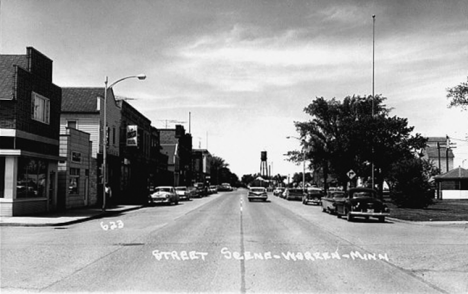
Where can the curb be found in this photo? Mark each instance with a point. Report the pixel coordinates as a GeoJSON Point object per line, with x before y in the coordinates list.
{"type": "Point", "coordinates": [71, 222]}
{"type": "Point", "coordinates": [428, 223]}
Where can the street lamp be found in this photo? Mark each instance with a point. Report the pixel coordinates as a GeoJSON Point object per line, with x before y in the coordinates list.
{"type": "Point", "coordinates": [104, 134]}
{"type": "Point", "coordinates": [303, 163]}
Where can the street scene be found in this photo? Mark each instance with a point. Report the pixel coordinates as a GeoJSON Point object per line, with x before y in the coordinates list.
{"type": "Point", "coordinates": [233, 146]}
{"type": "Point", "coordinates": [225, 244]}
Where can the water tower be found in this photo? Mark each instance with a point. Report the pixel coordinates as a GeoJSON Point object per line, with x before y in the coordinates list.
{"type": "Point", "coordinates": [263, 164]}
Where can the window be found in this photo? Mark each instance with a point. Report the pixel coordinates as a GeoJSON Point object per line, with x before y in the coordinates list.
{"type": "Point", "coordinates": [73, 187]}
{"type": "Point", "coordinates": [40, 108]}
{"type": "Point", "coordinates": [76, 156]}
{"type": "Point", "coordinates": [71, 124]}
{"type": "Point", "coordinates": [31, 181]}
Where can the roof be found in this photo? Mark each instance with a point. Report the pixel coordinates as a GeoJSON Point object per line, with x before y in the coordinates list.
{"type": "Point", "coordinates": [81, 99]}
{"type": "Point", "coordinates": [7, 73]}
{"type": "Point", "coordinates": [456, 173]}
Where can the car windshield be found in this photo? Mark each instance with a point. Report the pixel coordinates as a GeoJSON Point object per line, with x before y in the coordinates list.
{"type": "Point", "coordinates": [163, 189]}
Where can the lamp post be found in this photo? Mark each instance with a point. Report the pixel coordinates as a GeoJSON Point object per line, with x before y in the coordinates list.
{"type": "Point", "coordinates": [303, 163]}
{"type": "Point", "coordinates": [104, 134]}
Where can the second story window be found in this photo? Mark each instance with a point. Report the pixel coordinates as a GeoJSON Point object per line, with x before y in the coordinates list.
{"type": "Point", "coordinates": [40, 108]}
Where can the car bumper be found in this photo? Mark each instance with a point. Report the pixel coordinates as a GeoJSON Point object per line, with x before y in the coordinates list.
{"type": "Point", "coordinates": [257, 197]}
{"type": "Point", "coordinates": [161, 200]}
{"type": "Point", "coordinates": [362, 213]}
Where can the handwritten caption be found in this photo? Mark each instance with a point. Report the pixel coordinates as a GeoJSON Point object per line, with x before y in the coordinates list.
{"type": "Point", "coordinates": [291, 256]}
{"type": "Point", "coordinates": [112, 225]}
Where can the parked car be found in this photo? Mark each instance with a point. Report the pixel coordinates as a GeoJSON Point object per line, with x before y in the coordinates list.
{"type": "Point", "coordinates": [213, 189]}
{"type": "Point", "coordinates": [164, 194]}
{"type": "Point", "coordinates": [258, 193]}
{"type": "Point", "coordinates": [361, 202]}
{"type": "Point", "coordinates": [293, 194]}
{"type": "Point", "coordinates": [314, 195]}
{"type": "Point", "coordinates": [202, 189]}
{"type": "Point", "coordinates": [182, 192]}
{"type": "Point", "coordinates": [193, 192]}
{"type": "Point", "coordinates": [329, 200]}
{"type": "Point", "coordinates": [278, 191]}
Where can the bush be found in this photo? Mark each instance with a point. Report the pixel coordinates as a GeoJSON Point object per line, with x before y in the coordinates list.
{"type": "Point", "coordinates": [411, 187]}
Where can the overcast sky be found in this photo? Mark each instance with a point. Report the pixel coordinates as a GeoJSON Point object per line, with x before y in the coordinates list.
{"type": "Point", "coordinates": [245, 70]}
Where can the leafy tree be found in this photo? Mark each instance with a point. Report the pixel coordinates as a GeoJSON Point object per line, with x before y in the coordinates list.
{"type": "Point", "coordinates": [352, 134]}
{"type": "Point", "coordinates": [458, 95]}
{"type": "Point", "coordinates": [409, 180]}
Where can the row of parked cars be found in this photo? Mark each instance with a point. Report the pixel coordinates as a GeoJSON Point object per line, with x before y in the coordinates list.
{"type": "Point", "coordinates": [172, 195]}
{"type": "Point", "coordinates": [355, 202]}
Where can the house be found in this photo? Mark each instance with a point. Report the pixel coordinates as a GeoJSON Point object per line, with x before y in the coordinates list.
{"type": "Point", "coordinates": [453, 184]}
{"type": "Point", "coordinates": [83, 109]}
{"type": "Point", "coordinates": [30, 106]}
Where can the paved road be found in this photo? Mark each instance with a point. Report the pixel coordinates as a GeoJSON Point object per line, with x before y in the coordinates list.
{"type": "Point", "coordinates": [223, 243]}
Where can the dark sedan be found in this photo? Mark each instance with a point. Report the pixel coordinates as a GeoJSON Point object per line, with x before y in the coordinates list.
{"type": "Point", "coordinates": [328, 202]}
{"type": "Point", "coordinates": [361, 202]}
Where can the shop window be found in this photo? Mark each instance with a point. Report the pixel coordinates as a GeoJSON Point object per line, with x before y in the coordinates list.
{"type": "Point", "coordinates": [32, 175]}
{"type": "Point", "coordinates": [73, 187]}
{"type": "Point", "coordinates": [40, 108]}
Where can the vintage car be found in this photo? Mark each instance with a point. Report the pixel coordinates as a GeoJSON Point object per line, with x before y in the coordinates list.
{"type": "Point", "coordinates": [361, 202]}
{"type": "Point", "coordinates": [293, 194]}
{"type": "Point", "coordinates": [257, 193]}
{"type": "Point", "coordinates": [193, 192]}
{"type": "Point", "coordinates": [182, 192]}
{"type": "Point", "coordinates": [329, 200]}
{"type": "Point", "coordinates": [164, 194]}
{"type": "Point", "coordinates": [313, 195]}
{"type": "Point", "coordinates": [225, 187]}
{"type": "Point", "coordinates": [278, 191]}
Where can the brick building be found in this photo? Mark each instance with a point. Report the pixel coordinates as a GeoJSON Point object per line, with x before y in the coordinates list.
{"type": "Point", "coordinates": [29, 134]}
{"type": "Point", "coordinates": [177, 145]}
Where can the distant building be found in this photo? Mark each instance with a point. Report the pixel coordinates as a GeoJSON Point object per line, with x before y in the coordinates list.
{"type": "Point", "coordinates": [436, 152]}
{"type": "Point", "coordinates": [177, 145]}
{"type": "Point", "coordinates": [201, 163]}
{"type": "Point", "coordinates": [29, 134]}
{"type": "Point", "coordinates": [453, 184]}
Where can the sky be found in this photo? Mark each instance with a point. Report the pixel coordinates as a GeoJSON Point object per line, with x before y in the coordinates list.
{"type": "Point", "coordinates": [237, 74]}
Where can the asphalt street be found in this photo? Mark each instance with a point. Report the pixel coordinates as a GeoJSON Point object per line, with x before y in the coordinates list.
{"type": "Point", "coordinates": [224, 243]}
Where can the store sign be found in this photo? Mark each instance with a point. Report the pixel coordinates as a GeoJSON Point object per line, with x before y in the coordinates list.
{"type": "Point", "coordinates": [132, 135]}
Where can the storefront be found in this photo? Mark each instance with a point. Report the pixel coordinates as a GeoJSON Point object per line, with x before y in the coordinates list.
{"type": "Point", "coordinates": [28, 184]}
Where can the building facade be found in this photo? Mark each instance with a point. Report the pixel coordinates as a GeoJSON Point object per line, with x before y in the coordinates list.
{"type": "Point", "coordinates": [135, 151]}
{"type": "Point", "coordinates": [177, 145]}
{"type": "Point", "coordinates": [29, 134]}
{"type": "Point", "coordinates": [83, 109]}
{"type": "Point", "coordinates": [74, 186]}
{"type": "Point", "coordinates": [437, 152]}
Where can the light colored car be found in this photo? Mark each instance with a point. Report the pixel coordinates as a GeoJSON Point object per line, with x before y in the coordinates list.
{"type": "Point", "coordinates": [182, 192]}
{"type": "Point", "coordinates": [278, 191]}
{"type": "Point", "coordinates": [164, 194]}
{"type": "Point", "coordinates": [258, 193]}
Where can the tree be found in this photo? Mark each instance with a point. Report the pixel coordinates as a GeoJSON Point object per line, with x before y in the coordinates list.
{"type": "Point", "coordinates": [458, 95]}
{"type": "Point", "coordinates": [354, 133]}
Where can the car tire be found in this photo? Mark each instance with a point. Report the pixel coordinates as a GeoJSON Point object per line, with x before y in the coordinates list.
{"type": "Point", "coordinates": [323, 209]}
{"type": "Point", "coordinates": [349, 216]}
{"type": "Point", "coordinates": [382, 219]}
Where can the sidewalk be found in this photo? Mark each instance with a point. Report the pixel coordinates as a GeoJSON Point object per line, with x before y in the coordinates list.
{"type": "Point", "coordinates": [68, 217]}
